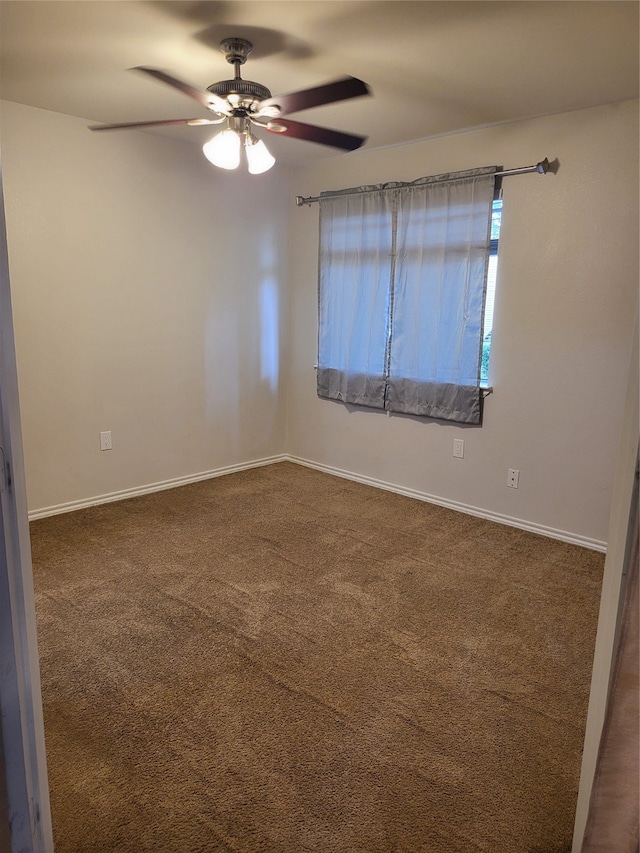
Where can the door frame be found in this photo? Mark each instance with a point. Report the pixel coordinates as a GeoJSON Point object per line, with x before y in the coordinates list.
{"type": "Point", "coordinates": [23, 763]}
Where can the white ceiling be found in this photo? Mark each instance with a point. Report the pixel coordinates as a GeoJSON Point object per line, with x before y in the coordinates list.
{"type": "Point", "coordinates": [433, 67]}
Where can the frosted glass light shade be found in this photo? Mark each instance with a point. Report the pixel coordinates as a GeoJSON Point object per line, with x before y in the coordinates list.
{"type": "Point", "coordinates": [259, 159]}
{"type": "Point", "coordinates": [223, 150]}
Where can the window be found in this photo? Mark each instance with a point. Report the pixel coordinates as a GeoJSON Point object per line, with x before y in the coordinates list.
{"type": "Point", "coordinates": [403, 271]}
{"type": "Point", "coordinates": [492, 272]}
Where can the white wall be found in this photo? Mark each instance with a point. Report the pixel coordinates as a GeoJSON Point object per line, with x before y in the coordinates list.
{"type": "Point", "coordinates": [565, 305]}
{"type": "Point", "coordinates": [149, 296]}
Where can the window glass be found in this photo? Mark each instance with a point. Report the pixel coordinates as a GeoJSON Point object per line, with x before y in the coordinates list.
{"type": "Point", "coordinates": [496, 221]}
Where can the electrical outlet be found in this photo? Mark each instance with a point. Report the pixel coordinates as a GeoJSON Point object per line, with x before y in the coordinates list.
{"type": "Point", "coordinates": [105, 440]}
{"type": "Point", "coordinates": [513, 477]}
{"type": "Point", "coordinates": [458, 448]}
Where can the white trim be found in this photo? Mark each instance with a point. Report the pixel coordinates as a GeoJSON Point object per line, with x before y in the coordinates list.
{"type": "Point", "coordinates": [532, 527]}
{"type": "Point", "coordinates": [620, 523]}
{"type": "Point", "coordinates": [23, 758]}
{"type": "Point", "coordinates": [161, 486]}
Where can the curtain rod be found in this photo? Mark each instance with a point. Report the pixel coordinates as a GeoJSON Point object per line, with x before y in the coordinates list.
{"type": "Point", "coordinates": [541, 168]}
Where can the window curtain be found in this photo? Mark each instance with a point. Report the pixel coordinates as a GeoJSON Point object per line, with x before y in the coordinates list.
{"type": "Point", "coordinates": [402, 285]}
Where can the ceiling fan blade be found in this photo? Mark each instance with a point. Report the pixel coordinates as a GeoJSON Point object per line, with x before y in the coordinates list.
{"type": "Point", "coordinates": [312, 133]}
{"type": "Point", "coordinates": [339, 90]}
{"type": "Point", "coordinates": [206, 99]}
{"type": "Point", "coordinates": [193, 122]}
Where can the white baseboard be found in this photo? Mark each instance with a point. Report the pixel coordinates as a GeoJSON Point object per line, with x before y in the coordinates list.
{"type": "Point", "coordinates": [532, 527]}
{"type": "Point", "coordinates": [550, 532]}
{"type": "Point", "coordinates": [152, 487]}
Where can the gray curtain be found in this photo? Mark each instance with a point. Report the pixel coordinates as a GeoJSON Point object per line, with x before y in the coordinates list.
{"type": "Point", "coordinates": [402, 289]}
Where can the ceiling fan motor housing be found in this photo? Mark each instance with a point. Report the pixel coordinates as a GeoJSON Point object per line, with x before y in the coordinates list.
{"type": "Point", "coordinates": [249, 93]}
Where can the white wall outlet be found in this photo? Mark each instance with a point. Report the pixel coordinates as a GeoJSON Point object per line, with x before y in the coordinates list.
{"type": "Point", "coordinates": [105, 440]}
{"type": "Point", "coordinates": [513, 477]}
{"type": "Point", "coordinates": [458, 448]}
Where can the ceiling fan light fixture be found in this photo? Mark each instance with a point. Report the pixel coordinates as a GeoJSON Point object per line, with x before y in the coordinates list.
{"type": "Point", "coordinates": [259, 158]}
{"type": "Point", "coordinates": [223, 150]}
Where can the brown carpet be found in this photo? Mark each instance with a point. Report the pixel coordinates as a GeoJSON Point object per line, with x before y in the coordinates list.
{"type": "Point", "coordinates": [281, 661]}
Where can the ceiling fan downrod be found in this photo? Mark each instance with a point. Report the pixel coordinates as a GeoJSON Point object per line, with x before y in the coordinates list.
{"type": "Point", "coordinates": [247, 93]}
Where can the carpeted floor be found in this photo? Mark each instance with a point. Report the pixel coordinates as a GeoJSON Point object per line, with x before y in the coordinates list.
{"type": "Point", "coordinates": [281, 661]}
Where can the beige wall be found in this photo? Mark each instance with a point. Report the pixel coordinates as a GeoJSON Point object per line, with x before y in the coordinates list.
{"type": "Point", "coordinates": [568, 279]}
{"type": "Point", "coordinates": [149, 299]}
{"type": "Point", "coordinates": [152, 298]}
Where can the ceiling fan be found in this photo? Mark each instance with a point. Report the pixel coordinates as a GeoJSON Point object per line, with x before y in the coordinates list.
{"type": "Point", "coordinates": [242, 104]}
